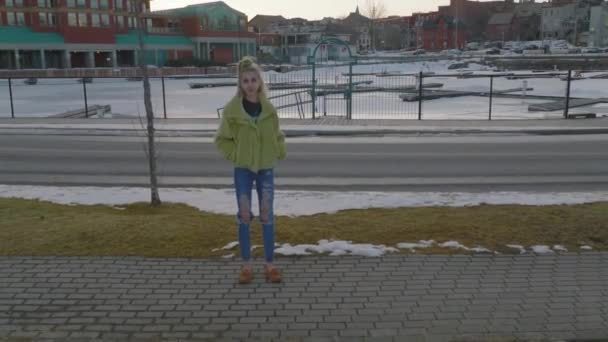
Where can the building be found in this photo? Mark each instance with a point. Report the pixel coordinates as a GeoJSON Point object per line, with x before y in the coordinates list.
{"type": "Point", "coordinates": [598, 31]}
{"type": "Point", "coordinates": [263, 23]}
{"type": "Point", "coordinates": [527, 21]}
{"type": "Point", "coordinates": [217, 32]}
{"type": "Point", "coordinates": [569, 20]}
{"type": "Point", "coordinates": [419, 20]}
{"type": "Point", "coordinates": [394, 33]}
{"type": "Point", "coordinates": [104, 33]}
{"type": "Point", "coordinates": [294, 40]}
{"type": "Point", "coordinates": [359, 26]}
{"type": "Point", "coordinates": [522, 23]}
{"type": "Point", "coordinates": [475, 15]}
{"type": "Point", "coordinates": [500, 27]}
{"type": "Point", "coordinates": [443, 32]}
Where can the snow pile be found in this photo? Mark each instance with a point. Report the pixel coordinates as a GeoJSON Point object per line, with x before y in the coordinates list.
{"type": "Point", "coordinates": [521, 248]}
{"type": "Point", "coordinates": [294, 203]}
{"type": "Point", "coordinates": [413, 246]}
{"type": "Point", "coordinates": [336, 248]}
{"type": "Point", "coordinates": [541, 249]}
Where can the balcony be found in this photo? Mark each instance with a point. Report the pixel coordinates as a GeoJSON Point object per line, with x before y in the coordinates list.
{"type": "Point", "coordinates": [165, 30]}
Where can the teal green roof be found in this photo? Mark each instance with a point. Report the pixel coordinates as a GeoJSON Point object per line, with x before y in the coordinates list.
{"type": "Point", "coordinates": [131, 39]}
{"type": "Point", "coordinates": [25, 35]}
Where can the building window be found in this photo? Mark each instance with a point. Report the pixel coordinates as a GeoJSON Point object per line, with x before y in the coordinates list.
{"type": "Point", "coordinates": [72, 3]}
{"type": "Point", "coordinates": [42, 3]}
{"type": "Point", "coordinates": [120, 21]}
{"type": "Point", "coordinates": [11, 21]}
{"type": "Point", "coordinates": [42, 19]}
{"type": "Point", "coordinates": [132, 23]}
{"type": "Point", "coordinates": [118, 4]}
{"type": "Point", "coordinates": [129, 8]}
{"type": "Point", "coordinates": [94, 4]}
{"type": "Point", "coordinates": [72, 19]}
{"type": "Point", "coordinates": [95, 20]}
{"type": "Point", "coordinates": [82, 20]}
{"type": "Point", "coordinates": [15, 18]}
{"type": "Point", "coordinates": [105, 20]}
{"type": "Point", "coordinates": [103, 4]}
{"type": "Point", "coordinates": [47, 19]}
{"type": "Point", "coordinates": [82, 3]}
{"type": "Point", "coordinates": [14, 3]}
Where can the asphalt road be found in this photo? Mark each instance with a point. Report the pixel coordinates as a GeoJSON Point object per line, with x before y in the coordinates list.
{"type": "Point", "coordinates": [448, 163]}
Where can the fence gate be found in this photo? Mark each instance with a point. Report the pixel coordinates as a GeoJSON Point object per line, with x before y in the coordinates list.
{"type": "Point", "coordinates": [332, 80]}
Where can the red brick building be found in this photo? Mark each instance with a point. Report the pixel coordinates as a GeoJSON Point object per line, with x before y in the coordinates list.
{"type": "Point", "coordinates": [103, 33]}
{"type": "Point", "coordinates": [443, 32]}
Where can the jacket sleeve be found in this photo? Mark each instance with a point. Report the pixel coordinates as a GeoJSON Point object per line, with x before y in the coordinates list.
{"type": "Point", "coordinates": [280, 139]}
{"type": "Point", "coordinates": [224, 140]}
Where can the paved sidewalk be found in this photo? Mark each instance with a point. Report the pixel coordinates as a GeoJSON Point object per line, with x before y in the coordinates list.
{"type": "Point", "coordinates": [399, 298]}
{"type": "Point", "coordinates": [297, 127]}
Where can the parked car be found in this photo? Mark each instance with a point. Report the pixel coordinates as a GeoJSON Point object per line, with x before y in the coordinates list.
{"type": "Point", "coordinates": [420, 52]}
{"type": "Point", "coordinates": [494, 51]}
{"type": "Point", "coordinates": [592, 50]}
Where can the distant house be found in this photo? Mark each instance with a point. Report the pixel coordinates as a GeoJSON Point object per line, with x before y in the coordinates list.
{"type": "Point", "coordinates": [263, 23]}
{"type": "Point", "coordinates": [500, 27]}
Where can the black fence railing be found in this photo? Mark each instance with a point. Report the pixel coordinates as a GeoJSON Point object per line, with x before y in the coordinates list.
{"type": "Point", "coordinates": [332, 91]}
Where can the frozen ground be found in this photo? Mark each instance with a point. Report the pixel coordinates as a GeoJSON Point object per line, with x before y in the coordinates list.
{"type": "Point", "coordinates": [297, 203]}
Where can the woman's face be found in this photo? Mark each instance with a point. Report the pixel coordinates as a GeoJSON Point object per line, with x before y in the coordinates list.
{"type": "Point", "coordinates": [250, 83]}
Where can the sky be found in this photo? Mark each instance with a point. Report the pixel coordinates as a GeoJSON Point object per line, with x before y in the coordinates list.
{"type": "Point", "coordinates": [310, 9]}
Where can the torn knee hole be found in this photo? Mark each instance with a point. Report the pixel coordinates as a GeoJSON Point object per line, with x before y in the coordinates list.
{"type": "Point", "coordinates": [245, 218]}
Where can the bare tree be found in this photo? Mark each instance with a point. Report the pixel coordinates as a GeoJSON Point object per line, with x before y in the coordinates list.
{"type": "Point", "coordinates": [374, 10]}
{"type": "Point", "coordinates": [151, 152]}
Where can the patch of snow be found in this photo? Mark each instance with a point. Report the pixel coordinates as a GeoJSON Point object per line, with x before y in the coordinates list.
{"type": "Point", "coordinates": [231, 245]}
{"type": "Point", "coordinates": [419, 244]}
{"type": "Point", "coordinates": [289, 250]}
{"type": "Point", "coordinates": [560, 248]}
{"type": "Point", "coordinates": [293, 203]}
{"type": "Point", "coordinates": [336, 248]}
{"type": "Point", "coordinates": [587, 248]}
{"type": "Point", "coordinates": [521, 248]}
{"type": "Point", "coordinates": [453, 244]}
{"type": "Point", "coordinates": [541, 249]}
{"type": "Point", "coordinates": [229, 256]}
{"type": "Point", "coordinates": [480, 249]}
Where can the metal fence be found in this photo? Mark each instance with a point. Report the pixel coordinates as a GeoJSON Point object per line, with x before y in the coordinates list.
{"type": "Point", "coordinates": [360, 92]}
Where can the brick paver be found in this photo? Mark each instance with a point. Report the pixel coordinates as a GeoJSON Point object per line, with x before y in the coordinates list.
{"type": "Point", "coordinates": [414, 297]}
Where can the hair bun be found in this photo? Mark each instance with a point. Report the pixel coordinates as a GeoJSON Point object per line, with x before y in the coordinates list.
{"type": "Point", "coordinates": [246, 62]}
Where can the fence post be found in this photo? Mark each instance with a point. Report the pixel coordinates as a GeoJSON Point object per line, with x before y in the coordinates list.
{"type": "Point", "coordinates": [313, 92]}
{"type": "Point", "coordinates": [568, 94]}
{"type": "Point", "coordinates": [420, 96]}
{"type": "Point", "coordinates": [491, 93]}
{"type": "Point", "coordinates": [86, 104]}
{"type": "Point", "coordinates": [350, 92]}
{"type": "Point", "coordinates": [10, 92]}
{"type": "Point", "coordinates": [162, 77]}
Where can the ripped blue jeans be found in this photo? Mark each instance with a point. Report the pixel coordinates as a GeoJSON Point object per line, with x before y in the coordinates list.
{"type": "Point", "coordinates": [243, 183]}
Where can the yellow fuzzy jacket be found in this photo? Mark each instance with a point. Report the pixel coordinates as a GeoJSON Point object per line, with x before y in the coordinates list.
{"type": "Point", "coordinates": [248, 143]}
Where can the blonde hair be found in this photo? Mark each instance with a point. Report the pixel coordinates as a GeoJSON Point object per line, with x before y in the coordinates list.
{"type": "Point", "coordinates": [248, 64]}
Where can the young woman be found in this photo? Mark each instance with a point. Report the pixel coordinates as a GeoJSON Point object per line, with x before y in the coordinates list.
{"type": "Point", "coordinates": [249, 136]}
